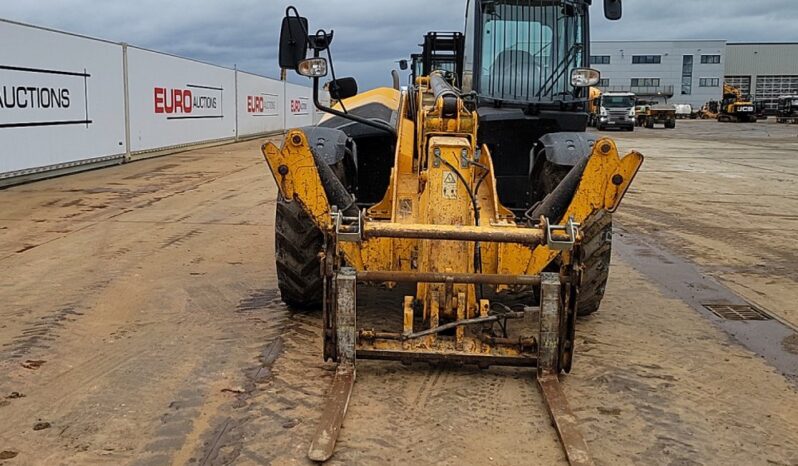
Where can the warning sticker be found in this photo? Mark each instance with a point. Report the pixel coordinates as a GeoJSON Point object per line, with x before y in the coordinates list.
{"type": "Point", "coordinates": [449, 185]}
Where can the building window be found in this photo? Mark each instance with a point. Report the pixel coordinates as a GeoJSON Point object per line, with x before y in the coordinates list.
{"type": "Point", "coordinates": [645, 82]}
{"type": "Point", "coordinates": [687, 74]}
{"type": "Point", "coordinates": [599, 59]}
{"type": "Point", "coordinates": [743, 83]}
{"type": "Point", "coordinates": [646, 59]}
{"type": "Point", "coordinates": [604, 82]}
{"type": "Point", "coordinates": [709, 82]}
{"type": "Point", "coordinates": [710, 59]}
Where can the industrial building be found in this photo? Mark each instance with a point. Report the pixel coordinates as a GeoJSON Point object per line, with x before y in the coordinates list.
{"type": "Point", "coordinates": [764, 71]}
{"type": "Point", "coordinates": [693, 71]}
{"type": "Point", "coordinates": [676, 71]}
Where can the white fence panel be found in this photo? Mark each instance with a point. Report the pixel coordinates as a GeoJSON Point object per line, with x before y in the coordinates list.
{"type": "Point", "coordinates": [260, 104]}
{"type": "Point", "coordinates": [324, 99]}
{"type": "Point", "coordinates": [175, 101]}
{"type": "Point", "coordinates": [61, 100]}
{"type": "Point", "coordinates": [298, 106]}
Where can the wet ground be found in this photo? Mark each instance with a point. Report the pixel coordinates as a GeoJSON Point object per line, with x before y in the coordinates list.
{"type": "Point", "coordinates": [140, 324]}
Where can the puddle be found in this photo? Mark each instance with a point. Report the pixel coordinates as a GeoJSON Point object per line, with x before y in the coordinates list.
{"type": "Point", "coordinates": [681, 279]}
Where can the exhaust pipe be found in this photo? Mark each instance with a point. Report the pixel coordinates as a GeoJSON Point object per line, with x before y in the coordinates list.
{"type": "Point", "coordinates": [395, 77]}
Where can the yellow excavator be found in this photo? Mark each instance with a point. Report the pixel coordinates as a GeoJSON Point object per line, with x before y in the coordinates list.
{"type": "Point", "coordinates": [735, 107]}
{"type": "Point", "coordinates": [477, 196]}
{"type": "Point", "coordinates": [593, 106]}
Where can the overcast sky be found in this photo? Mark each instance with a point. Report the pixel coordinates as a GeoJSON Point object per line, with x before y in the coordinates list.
{"type": "Point", "coordinates": [370, 35]}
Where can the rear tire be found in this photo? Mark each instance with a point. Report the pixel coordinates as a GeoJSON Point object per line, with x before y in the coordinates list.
{"type": "Point", "coordinates": [596, 254]}
{"type": "Point", "coordinates": [297, 244]}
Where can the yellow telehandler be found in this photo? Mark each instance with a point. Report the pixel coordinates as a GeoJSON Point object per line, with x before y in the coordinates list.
{"type": "Point", "coordinates": [488, 198]}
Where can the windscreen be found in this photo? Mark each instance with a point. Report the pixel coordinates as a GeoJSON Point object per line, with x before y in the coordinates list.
{"type": "Point", "coordinates": [529, 49]}
{"type": "Point", "coordinates": [617, 101]}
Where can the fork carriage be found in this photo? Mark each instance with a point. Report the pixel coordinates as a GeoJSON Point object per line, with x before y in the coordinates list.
{"type": "Point", "coordinates": [457, 324]}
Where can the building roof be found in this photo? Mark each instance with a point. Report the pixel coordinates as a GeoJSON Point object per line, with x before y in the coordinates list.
{"type": "Point", "coordinates": [762, 43]}
{"type": "Point", "coordinates": [659, 40]}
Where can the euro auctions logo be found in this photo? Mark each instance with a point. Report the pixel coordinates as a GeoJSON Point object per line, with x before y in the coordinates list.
{"type": "Point", "coordinates": [299, 106]}
{"type": "Point", "coordinates": [190, 101]}
{"type": "Point", "coordinates": [32, 97]}
{"type": "Point", "coordinates": [262, 105]}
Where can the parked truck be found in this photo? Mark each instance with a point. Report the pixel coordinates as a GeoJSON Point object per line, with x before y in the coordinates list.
{"type": "Point", "coordinates": [649, 114]}
{"type": "Point", "coordinates": [683, 111]}
{"type": "Point", "coordinates": [616, 110]}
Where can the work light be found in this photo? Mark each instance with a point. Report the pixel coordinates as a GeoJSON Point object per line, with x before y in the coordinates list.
{"type": "Point", "coordinates": [585, 77]}
{"type": "Point", "coordinates": [313, 67]}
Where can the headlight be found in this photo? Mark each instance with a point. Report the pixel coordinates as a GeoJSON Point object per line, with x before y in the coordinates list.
{"type": "Point", "coordinates": [313, 67]}
{"type": "Point", "coordinates": [632, 112]}
{"type": "Point", "coordinates": [585, 77]}
{"type": "Point", "coordinates": [603, 111]}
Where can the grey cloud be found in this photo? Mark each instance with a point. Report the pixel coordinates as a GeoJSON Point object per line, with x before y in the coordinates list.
{"type": "Point", "coordinates": [370, 35]}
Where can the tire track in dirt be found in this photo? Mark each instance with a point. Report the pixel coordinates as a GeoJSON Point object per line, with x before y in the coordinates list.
{"type": "Point", "coordinates": [200, 425]}
{"type": "Point", "coordinates": [280, 399]}
{"type": "Point", "coordinates": [417, 414]}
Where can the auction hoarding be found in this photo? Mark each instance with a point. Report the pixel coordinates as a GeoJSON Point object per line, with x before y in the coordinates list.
{"type": "Point", "coordinates": [298, 106]}
{"type": "Point", "coordinates": [175, 101]}
{"type": "Point", "coordinates": [260, 104]}
{"type": "Point", "coordinates": [61, 100]}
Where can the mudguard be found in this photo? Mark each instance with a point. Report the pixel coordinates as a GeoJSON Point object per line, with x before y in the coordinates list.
{"type": "Point", "coordinates": [328, 144]}
{"type": "Point", "coordinates": [566, 148]}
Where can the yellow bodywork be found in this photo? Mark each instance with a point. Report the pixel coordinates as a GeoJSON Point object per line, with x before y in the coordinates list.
{"type": "Point", "coordinates": [426, 191]}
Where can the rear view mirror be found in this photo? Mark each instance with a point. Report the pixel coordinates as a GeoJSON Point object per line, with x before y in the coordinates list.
{"type": "Point", "coordinates": [293, 42]}
{"type": "Point", "coordinates": [402, 65]}
{"type": "Point", "coordinates": [613, 10]}
{"type": "Point", "coordinates": [342, 88]}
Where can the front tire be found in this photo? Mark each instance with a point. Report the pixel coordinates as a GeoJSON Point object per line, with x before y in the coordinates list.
{"type": "Point", "coordinates": [297, 245]}
{"type": "Point", "coordinates": [596, 255]}
{"type": "Point", "coordinates": [596, 246]}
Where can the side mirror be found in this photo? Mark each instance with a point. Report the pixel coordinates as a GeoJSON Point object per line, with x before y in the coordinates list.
{"type": "Point", "coordinates": [342, 88]}
{"type": "Point", "coordinates": [293, 42]}
{"type": "Point", "coordinates": [613, 10]}
{"type": "Point", "coordinates": [402, 65]}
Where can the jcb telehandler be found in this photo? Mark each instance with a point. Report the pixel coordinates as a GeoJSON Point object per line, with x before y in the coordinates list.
{"type": "Point", "coordinates": [488, 199]}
